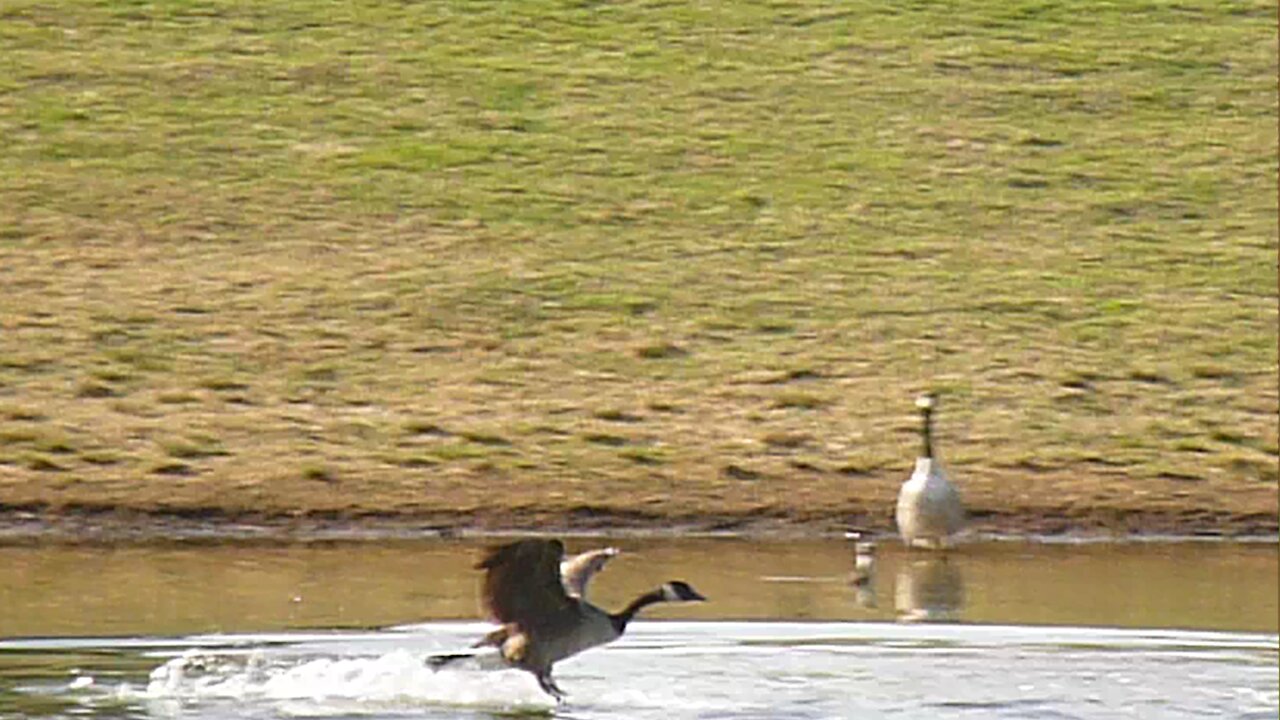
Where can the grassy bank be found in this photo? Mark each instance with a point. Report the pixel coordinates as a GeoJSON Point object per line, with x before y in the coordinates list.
{"type": "Point", "coordinates": [645, 261]}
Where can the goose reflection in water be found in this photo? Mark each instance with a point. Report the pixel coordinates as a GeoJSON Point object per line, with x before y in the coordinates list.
{"type": "Point", "coordinates": [929, 589]}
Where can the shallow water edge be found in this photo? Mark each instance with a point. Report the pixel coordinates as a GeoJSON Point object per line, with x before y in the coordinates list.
{"type": "Point", "coordinates": [112, 525]}
{"type": "Point", "coordinates": [56, 589]}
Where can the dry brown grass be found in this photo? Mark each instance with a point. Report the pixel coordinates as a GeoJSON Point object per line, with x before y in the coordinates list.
{"type": "Point", "coordinates": [244, 273]}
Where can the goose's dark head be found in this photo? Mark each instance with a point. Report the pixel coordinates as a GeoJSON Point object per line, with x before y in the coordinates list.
{"type": "Point", "coordinates": [680, 591]}
{"type": "Point", "coordinates": [673, 591]}
{"type": "Point", "coordinates": [926, 404]}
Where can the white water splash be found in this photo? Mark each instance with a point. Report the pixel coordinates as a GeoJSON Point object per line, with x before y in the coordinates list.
{"type": "Point", "coordinates": [328, 685]}
{"type": "Point", "coordinates": [671, 671]}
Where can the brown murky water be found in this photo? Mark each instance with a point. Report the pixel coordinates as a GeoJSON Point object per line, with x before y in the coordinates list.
{"type": "Point", "coordinates": [1178, 631]}
{"type": "Point", "coordinates": [71, 590]}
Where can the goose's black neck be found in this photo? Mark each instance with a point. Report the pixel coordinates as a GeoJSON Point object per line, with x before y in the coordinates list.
{"type": "Point", "coordinates": [926, 415]}
{"type": "Point", "coordinates": [621, 618]}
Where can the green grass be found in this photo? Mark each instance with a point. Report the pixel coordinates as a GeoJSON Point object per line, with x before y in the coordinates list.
{"type": "Point", "coordinates": [301, 230]}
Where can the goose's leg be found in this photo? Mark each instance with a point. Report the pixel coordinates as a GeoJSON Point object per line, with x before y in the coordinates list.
{"type": "Point", "coordinates": [435, 662]}
{"type": "Point", "coordinates": [549, 686]}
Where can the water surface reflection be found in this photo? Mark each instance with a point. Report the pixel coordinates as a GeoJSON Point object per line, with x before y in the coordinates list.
{"type": "Point", "coordinates": [167, 589]}
{"type": "Point", "coordinates": [929, 589]}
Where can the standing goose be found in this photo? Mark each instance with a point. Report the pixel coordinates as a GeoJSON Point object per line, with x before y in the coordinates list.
{"type": "Point", "coordinates": [929, 507]}
{"type": "Point", "coordinates": [541, 623]}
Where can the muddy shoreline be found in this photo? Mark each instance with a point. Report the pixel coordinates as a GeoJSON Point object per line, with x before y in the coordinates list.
{"type": "Point", "coordinates": [102, 525]}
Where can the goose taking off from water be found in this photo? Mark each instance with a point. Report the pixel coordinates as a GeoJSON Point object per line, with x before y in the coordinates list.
{"type": "Point", "coordinates": [541, 623]}
{"type": "Point", "coordinates": [929, 508]}
{"type": "Point", "coordinates": [575, 573]}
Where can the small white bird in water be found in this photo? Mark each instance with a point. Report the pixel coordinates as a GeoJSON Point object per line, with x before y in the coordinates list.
{"type": "Point", "coordinates": [863, 576]}
{"type": "Point", "coordinates": [864, 559]}
{"type": "Point", "coordinates": [929, 508]}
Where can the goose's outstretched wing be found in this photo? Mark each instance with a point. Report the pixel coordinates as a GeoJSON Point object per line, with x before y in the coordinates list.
{"type": "Point", "coordinates": [522, 584]}
{"type": "Point", "coordinates": [578, 570]}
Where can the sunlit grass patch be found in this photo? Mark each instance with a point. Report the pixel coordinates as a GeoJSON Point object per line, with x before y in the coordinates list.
{"type": "Point", "coordinates": [800, 401]}
{"type": "Point", "coordinates": [786, 440]}
{"type": "Point", "coordinates": [494, 250]}
{"type": "Point", "coordinates": [661, 351]}
{"type": "Point", "coordinates": [44, 464]}
{"type": "Point", "coordinates": [55, 444]}
{"type": "Point", "coordinates": [482, 437]}
{"type": "Point", "coordinates": [616, 415]}
{"type": "Point", "coordinates": [607, 439]}
{"type": "Point", "coordinates": [20, 413]}
{"type": "Point", "coordinates": [172, 469]}
{"type": "Point", "coordinates": [177, 397]}
{"type": "Point", "coordinates": [224, 384]}
{"type": "Point", "coordinates": [459, 451]}
{"type": "Point", "coordinates": [1261, 469]}
{"type": "Point", "coordinates": [137, 408]}
{"type": "Point", "coordinates": [644, 456]}
{"type": "Point", "coordinates": [425, 427]}
{"type": "Point", "coordinates": [103, 457]}
{"type": "Point", "coordinates": [95, 389]}
{"type": "Point", "coordinates": [40, 438]}
{"type": "Point", "coordinates": [319, 473]}
{"type": "Point", "coordinates": [14, 435]}
{"type": "Point", "coordinates": [414, 460]}
{"type": "Point", "coordinates": [193, 447]}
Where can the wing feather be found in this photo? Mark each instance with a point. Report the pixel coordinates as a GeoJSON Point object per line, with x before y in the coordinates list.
{"type": "Point", "coordinates": [578, 570]}
{"type": "Point", "coordinates": [522, 583]}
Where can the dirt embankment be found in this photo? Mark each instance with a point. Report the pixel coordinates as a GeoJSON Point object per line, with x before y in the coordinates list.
{"type": "Point", "coordinates": [122, 525]}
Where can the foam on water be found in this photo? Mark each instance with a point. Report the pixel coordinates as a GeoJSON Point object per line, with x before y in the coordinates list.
{"type": "Point", "coordinates": [336, 684]}
{"type": "Point", "coordinates": [667, 670]}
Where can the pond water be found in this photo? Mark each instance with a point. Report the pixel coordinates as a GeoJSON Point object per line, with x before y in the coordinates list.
{"type": "Point", "coordinates": [1003, 630]}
